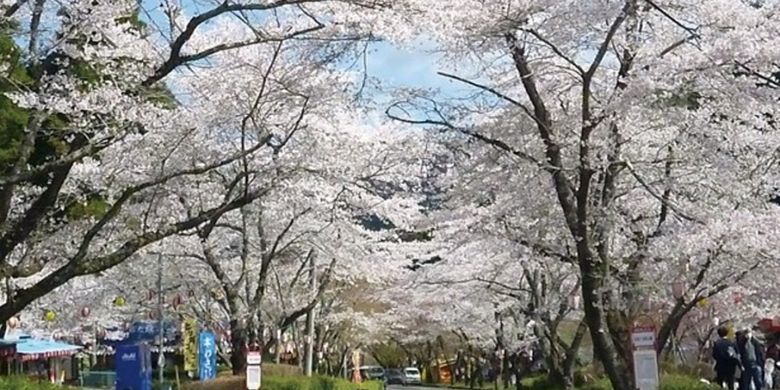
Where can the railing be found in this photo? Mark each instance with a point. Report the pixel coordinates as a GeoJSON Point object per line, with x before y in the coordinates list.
{"type": "Point", "coordinates": [99, 379]}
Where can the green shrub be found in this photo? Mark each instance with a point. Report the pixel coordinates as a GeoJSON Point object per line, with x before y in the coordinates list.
{"type": "Point", "coordinates": [597, 384]}
{"type": "Point", "coordinates": [683, 382]}
{"type": "Point", "coordinates": [272, 369]}
{"type": "Point", "coordinates": [668, 382]}
{"type": "Point", "coordinates": [536, 382]}
{"type": "Point", "coordinates": [587, 375]}
{"type": "Point", "coordinates": [274, 382]}
{"type": "Point", "coordinates": [21, 383]}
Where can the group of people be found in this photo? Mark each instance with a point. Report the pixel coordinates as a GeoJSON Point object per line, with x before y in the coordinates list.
{"type": "Point", "coordinates": [745, 363]}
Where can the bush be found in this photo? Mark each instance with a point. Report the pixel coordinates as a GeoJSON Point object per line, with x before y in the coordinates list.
{"type": "Point", "coordinates": [587, 375]}
{"type": "Point", "coordinates": [668, 382]}
{"type": "Point", "coordinates": [682, 382]}
{"type": "Point", "coordinates": [273, 382]}
{"type": "Point", "coordinates": [21, 383]}
{"type": "Point", "coordinates": [272, 369]}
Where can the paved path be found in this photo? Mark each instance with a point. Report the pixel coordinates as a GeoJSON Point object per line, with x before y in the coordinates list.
{"type": "Point", "coordinates": [399, 387]}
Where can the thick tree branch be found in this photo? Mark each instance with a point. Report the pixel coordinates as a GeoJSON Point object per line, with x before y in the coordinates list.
{"type": "Point", "coordinates": [660, 197]}
{"type": "Point", "coordinates": [48, 167]}
{"type": "Point", "coordinates": [32, 217]}
{"type": "Point", "coordinates": [323, 286]}
{"type": "Point", "coordinates": [556, 50]}
{"type": "Point", "coordinates": [269, 254]}
{"type": "Point", "coordinates": [494, 142]}
{"type": "Point", "coordinates": [129, 192]}
{"type": "Point", "coordinates": [11, 10]}
{"type": "Point", "coordinates": [175, 57]}
{"type": "Point", "coordinates": [80, 267]}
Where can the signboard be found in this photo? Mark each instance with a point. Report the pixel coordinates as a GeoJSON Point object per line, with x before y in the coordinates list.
{"type": "Point", "coordinates": [646, 369]}
{"type": "Point", "coordinates": [253, 372]}
{"type": "Point", "coordinates": [643, 337]}
{"type": "Point", "coordinates": [207, 356]}
{"type": "Point", "coordinates": [133, 367]}
{"type": "Point", "coordinates": [150, 331]}
{"type": "Point", "coordinates": [645, 358]}
{"type": "Point", "coordinates": [190, 341]}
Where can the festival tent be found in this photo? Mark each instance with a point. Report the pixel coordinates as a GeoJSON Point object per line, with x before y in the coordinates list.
{"type": "Point", "coordinates": [46, 359]}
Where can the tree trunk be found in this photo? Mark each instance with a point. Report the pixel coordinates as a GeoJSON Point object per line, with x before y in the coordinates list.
{"type": "Point", "coordinates": [564, 376]}
{"type": "Point", "coordinates": [603, 349]}
{"type": "Point", "coordinates": [238, 342]}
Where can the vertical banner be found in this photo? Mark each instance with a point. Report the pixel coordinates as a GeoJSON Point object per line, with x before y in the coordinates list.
{"type": "Point", "coordinates": [207, 354]}
{"type": "Point", "coordinates": [190, 341]}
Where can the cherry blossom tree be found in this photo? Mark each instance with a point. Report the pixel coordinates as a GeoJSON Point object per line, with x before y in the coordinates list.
{"type": "Point", "coordinates": [635, 112]}
{"type": "Point", "coordinates": [101, 144]}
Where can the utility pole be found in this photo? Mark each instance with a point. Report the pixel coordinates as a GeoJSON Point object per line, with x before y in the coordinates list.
{"type": "Point", "coordinates": [310, 317]}
{"type": "Point", "coordinates": [160, 302]}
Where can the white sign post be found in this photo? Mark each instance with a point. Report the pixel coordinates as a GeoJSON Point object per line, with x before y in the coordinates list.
{"type": "Point", "coordinates": [253, 372]}
{"type": "Point", "coordinates": [645, 358]}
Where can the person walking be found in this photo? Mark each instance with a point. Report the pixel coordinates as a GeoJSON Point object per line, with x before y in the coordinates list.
{"type": "Point", "coordinates": [751, 353]}
{"type": "Point", "coordinates": [724, 352]}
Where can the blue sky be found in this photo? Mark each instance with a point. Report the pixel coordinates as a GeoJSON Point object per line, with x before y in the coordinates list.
{"type": "Point", "coordinates": [400, 67]}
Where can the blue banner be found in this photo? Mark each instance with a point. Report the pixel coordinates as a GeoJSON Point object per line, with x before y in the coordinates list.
{"type": "Point", "coordinates": [207, 356]}
{"type": "Point", "coordinates": [150, 331]}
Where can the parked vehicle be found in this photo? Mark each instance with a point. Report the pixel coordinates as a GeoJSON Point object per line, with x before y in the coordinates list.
{"type": "Point", "coordinates": [371, 373]}
{"type": "Point", "coordinates": [395, 377]}
{"type": "Point", "coordinates": [412, 376]}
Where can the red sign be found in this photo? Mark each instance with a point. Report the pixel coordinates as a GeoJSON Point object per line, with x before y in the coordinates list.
{"type": "Point", "coordinates": [643, 337]}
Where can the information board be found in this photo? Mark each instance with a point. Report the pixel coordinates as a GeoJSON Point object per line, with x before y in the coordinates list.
{"type": "Point", "coordinates": [646, 369]}
{"type": "Point", "coordinates": [253, 371]}
{"type": "Point", "coordinates": [645, 358]}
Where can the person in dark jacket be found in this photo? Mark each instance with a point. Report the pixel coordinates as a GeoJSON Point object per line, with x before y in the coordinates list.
{"type": "Point", "coordinates": [751, 354]}
{"type": "Point", "coordinates": [724, 352]}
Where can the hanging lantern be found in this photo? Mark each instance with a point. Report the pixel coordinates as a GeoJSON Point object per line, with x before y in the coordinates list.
{"type": "Point", "coordinates": [150, 295]}
{"type": "Point", "coordinates": [177, 301]}
{"type": "Point", "coordinates": [85, 311]}
{"type": "Point", "coordinates": [119, 301]}
{"type": "Point", "coordinates": [12, 323]}
{"type": "Point", "coordinates": [102, 334]}
{"type": "Point", "coordinates": [49, 316]}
